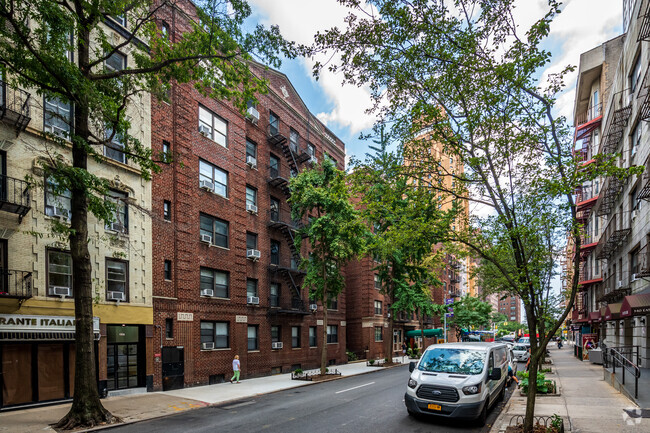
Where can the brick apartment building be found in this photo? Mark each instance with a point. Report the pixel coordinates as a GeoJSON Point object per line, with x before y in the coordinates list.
{"type": "Point", "coordinates": [224, 266]}
{"type": "Point", "coordinates": [511, 308]}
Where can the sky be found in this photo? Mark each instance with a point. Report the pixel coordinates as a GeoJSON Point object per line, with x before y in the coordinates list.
{"type": "Point", "coordinates": [582, 25]}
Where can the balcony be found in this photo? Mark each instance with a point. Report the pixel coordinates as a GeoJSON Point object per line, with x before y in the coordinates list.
{"type": "Point", "coordinates": [644, 31]}
{"type": "Point", "coordinates": [586, 197]}
{"type": "Point", "coordinates": [15, 284]}
{"type": "Point", "coordinates": [587, 121]}
{"type": "Point", "coordinates": [610, 192]}
{"type": "Point", "coordinates": [14, 196]}
{"type": "Point", "coordinates": [289, 306]}
{"type": "Point", "coordinates": [614, 235]}
{"type": "Point", "coordinates": [588, 276]}
{"type": "Point", "coordinates": [616, 287]}
{"type": "Point", "coordinates": [617, 119]}
{"type": "Point", "coordinates": [14, 107]}
{"type": "Point", "coordinates": [588, 242]}
{"type": "Point", "coordinates": [274, 133]}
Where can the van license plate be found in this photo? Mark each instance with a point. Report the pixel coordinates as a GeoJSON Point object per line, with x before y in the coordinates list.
{"type": "Point", "coordinates": [434, 407]}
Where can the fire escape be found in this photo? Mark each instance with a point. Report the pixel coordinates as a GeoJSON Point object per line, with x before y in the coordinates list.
{"type": "Point", "coordinates": [615, 234]}
{"type": "Point", "coordinates": [280, 220]}
{"type": "Point", "coordinates": [14, 193]}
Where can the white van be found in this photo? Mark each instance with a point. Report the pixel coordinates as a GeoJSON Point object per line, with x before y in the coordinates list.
{"type": "Point", "coordinates": [457, 380]}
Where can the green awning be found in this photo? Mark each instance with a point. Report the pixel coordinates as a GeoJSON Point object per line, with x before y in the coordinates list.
{"type": "Point", "coordinates": [427, 333]}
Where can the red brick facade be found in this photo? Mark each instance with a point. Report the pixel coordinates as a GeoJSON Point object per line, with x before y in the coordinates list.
{"type": "Point", "coordinates": [179, 240]}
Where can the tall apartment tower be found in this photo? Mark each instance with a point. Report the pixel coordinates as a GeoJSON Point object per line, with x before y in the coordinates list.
{"type": "Point", "coordinates": [510, 307]}
{"type": "Point", "coordinates": [225, 271]}
{"type": "Point", "coordinates": [612, 108]}
{"type": "Point", "coordinates": [37, 331]}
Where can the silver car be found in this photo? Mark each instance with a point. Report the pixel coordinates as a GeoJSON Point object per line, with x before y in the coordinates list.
{"type": "Point", "coordinates": [521, 353]}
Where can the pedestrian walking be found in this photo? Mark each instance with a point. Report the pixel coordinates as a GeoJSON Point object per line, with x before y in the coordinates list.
{"type": "Point", "coordinates": [235, 369]}
{"type": "Point", "coordinates": [404, 350]}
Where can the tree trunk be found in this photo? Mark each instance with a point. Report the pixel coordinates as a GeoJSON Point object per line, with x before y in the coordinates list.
{"type": "Point", "coordinates": [87, 410]}
{"type": "Point", "coordinates": [532, 393]}
{"type": "Point", "coordinates": [388, 342]}
{"type": "Point", "coordinates": [323, 353]}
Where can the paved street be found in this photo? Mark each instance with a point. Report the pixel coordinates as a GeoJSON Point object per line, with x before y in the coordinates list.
{"type": "Point", "coordinates": [366, 403]}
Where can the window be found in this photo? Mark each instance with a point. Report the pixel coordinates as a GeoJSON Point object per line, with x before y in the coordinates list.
{"type": "Point", "coordinates": [57, 117]}
{"type": "Point", "coordinates": [377, 282]}
{"type": "Point", "coordinates": [251, 196]}
{"type": "Point", "coordinates": [251, 287]}
{"type": "Point", "coordinates": [276, 336]}
{"type": "Point", "coordinates": [275, 209]}
{"type": "Point", "coordinates": [294, 139]}
{"type": "Point", "coordinates": [217, 333]}
{"type": "Point", "coordinates": [112, 149]}
{"type": "Point", "coordinates": [251, 241]}
{"type": "Point", "coordinates": [379, 333]}
{"type": "Point", "coordinates": [275, 295]}
{"type": "Point", "coordinates": [274, 166]}
{"type": "Point", "coordinates": [218, 281]}
{"type": "Point", "coordinates": [332, 334]}
{"type": "Point", "coordinates": [216, 176]}
{"type": "Point", "coordinates": [251, 150]}
{"type": "Point", "coordinates": [333, 304]}
{"type": "Point", "coordinates": [167, 210]}
{"type": "Point", "coordinates": [295, 337]}
{"type": "Point", "coordinates": [634, 261]}
{"type": "Point", "coordinates": [59, 270]}
{"type": "Point", "coordinates": [120, 216]}
{"type": "Point", "coordinates": [117, 277]}
{"type": "Point", "coordinates": [216, 228]}
{"type": "Point", "coordinates": [116, 62]}
{"type": "Point", "coordinates": [635, 75]}
{"type": "Point", "coordinates": [313, 341]}
{"type": "Point", "coordinates": [120, 19]}
{"type": "Point", "coordinates": [635, 203]}
{"type": "Point", "coordinates": [635, 138]}
{"type": "Point", "coordinates": [166, 150]}
{"type": "Point", "coordinates": [275, 253]}
{"type": "Point", "coordinates": [57, 200]}
{"type": "Point", "coordinates": [164, 30]}
{"type": "Point", "coordinates": [594, 111]}
{"type": "Point", "coordinates": [169, 328]}
{"type": "Point", "coordinates": [168, 270]}
{"type": "Point", "coordinates": [274, 124]}
{"type": "Point", "coordinates": [253, 343]}
{"type": "Point", "coordinates": [378, 309]}
{"type": "Point", "coordinates": [311, 150]}
{"type": "Point", "coordinates": [213, 126]}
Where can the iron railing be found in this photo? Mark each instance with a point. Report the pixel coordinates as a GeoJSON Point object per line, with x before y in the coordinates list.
{"type": "Point", "coordinates": [584, 193]}
{"type": "Point", "coordinates": [590, 114]}
{"type": "Point", "coordinates": [14, 195]}
{"type": "Point", "coordinates": [627, 359]}
{"type": "Point", "coordinates": [14, 106]}
{"type": "Point", "coordinates": [15, 284]}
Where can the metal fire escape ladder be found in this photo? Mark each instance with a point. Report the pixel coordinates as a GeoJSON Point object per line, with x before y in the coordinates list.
{"type": "Point", "coordinates": [644, 97]}
{"type": "Point", "coordinates": [644, 31]}
{"type": "Point", "coordinates": [617, 120]}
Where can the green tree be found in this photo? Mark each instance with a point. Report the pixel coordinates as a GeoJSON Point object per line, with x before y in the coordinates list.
{"type": "Point", "coordinates": [470, 312]}
{"type": "Point", "coordinates": [37, 38]}
{"type": "Point", "coordinates": [335, 232]}
{"type": "Point", "coordinates": [463, 69]}
{"type": "Point", "coordinates": [407, 223]}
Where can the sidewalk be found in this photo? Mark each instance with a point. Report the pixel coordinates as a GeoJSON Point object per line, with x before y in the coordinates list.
{"type": "Point", "coordinates": [586, 402]}
{"type": "Point", "coordinates": [139, 407]}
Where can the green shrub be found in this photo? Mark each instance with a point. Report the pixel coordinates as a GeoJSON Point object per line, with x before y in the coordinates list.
{"type": "Point", "coordinates": [351, 356]}
{"type": "Point", "coordinates": [297, 371]}
{"type": "Point", "coordinates": [385, 359]}
{"type": "Point", "coordinates": [543, 386]}
{"type": "Point", "coordinates": [371, 362]}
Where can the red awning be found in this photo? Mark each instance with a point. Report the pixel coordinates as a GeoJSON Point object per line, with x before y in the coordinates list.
{"type": "Point", "coordinates": [577, 316]}
{"type": "Point", "coordinates": [613, 311]}
{"type": "Point", "coordinates": [635, 305]}
{"type": "Point", "coordinates": [594, 317]}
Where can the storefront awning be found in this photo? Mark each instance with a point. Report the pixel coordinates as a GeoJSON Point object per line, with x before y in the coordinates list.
{"type": "Point", "coordinates": [427, 333]}
{"type": "Point", "coordinates": [578, 317]}
{"type": "Point", "coordinates": [594, 317]}
{"type": "Point", "coordinates": [613, 311]}
{"type": "Point", "coordinates": [635, 305]}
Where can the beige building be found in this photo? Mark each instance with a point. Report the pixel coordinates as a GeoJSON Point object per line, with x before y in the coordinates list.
{"type": "Point", "coordinates": [36, 299]}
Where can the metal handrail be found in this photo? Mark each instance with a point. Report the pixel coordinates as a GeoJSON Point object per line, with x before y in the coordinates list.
{"type": "Point", "coordinates": [620, 356]}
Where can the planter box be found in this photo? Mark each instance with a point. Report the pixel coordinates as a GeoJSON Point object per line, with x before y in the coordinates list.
{"type": "Point", "coordinates": [517, 421]}
{"type": "Point", "coordinates": [539, 394]}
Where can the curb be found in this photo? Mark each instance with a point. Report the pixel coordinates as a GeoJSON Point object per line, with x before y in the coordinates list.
{"type": "Point", "coordinates": [223, 403]}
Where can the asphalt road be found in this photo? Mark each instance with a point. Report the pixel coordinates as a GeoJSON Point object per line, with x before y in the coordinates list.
{"type": "Point", "coordinates": [366, 403]}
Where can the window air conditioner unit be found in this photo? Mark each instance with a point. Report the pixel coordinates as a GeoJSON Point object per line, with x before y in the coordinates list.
{"type": "Point", "coordinates": [634, 214]}
{"type": "Point", "coordinates": [116, 296]}
{"type": "Point", "coordinates": [60, 291]}
{"type": "Point", "coordinates": [207, 346]}
{"type": "Point", "coordinates": [255, 300]}
{"type": "Point", "coordinates": [205, 131]}
{"type": "Point", "coordinates": [276, 345]}
{"type": "Point", "coordinates": [206, 184]}
{"type": "Point", "coordinates": [313, 307]}
{"type": "Point", "coordinates": [313, 160]}
{"type": "Point", "coordinates": [251, 208]}
{"type": "Point", "coordinates": [633, 278]}
{"type": "Point", "coordinates": [253, 115]}
{"type": "Point", "coordinates": [207, 292]}
{"type": "Point", "coordinates": [253, 254]}
{"type": "Point", "coordinates": [251, 161]}
{"type": "Point", "coordinates": [620, 284]}
{"type": "Point", "coordinates": [117, 226]}
{"type": "Point", "coordinates": [59, 212]}
{"type": "Point", "coordinates": [207, 239]}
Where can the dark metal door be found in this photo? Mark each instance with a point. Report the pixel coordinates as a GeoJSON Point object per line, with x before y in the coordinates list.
{"type": "Point", "coordinates": [173, 368]}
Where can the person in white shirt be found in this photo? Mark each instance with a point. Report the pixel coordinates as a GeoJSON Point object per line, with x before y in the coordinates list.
{"type": "Point", "coordinates": [235, 369]}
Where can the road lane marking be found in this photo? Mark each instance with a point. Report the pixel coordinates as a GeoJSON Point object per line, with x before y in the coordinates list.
{"type": "Point", "coordinates": [356, 387]}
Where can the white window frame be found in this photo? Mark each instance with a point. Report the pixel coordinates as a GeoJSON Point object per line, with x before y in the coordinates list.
{"type": "Point", "coordinates": [220, 188]}
{"type": "Point", "coordinates": [218, 126]}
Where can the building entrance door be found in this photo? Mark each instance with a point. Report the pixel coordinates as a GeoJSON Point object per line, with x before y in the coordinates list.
{"type": "Point", "coordinates": [122, 364]}
{"type": "Point", "coordinates": [173, 368]}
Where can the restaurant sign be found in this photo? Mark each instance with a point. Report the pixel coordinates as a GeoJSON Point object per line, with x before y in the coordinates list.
{"type": "Point", "coordinates": [21, 322]}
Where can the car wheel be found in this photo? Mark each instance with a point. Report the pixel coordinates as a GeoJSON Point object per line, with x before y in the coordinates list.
{"type": "Point", "coordinates": [482, 418]}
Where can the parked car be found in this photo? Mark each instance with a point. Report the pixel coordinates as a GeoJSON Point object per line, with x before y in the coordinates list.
{"type": "Point", "coordinates": [457, 380]}
{"type": "Point", "coordinates": [520, 352]}
{"type": "Point", "coordinates": [524, 341]}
